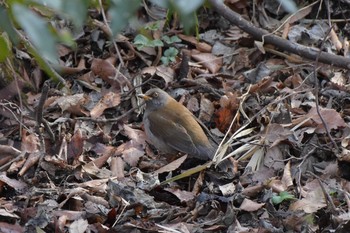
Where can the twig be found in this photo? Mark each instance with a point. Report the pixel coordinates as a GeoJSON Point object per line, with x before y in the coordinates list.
{"type": "Point", "coordinates": [39, 120]}
{"type": "Point", "coordinates": [6, 165]}
{"type": "Point", "coordinates": [326, 195]}
{"type": "Point", "coordinates": [4, 105]}
{"type": "Point", "coordinates": [15, 75]}
{"type": "Point", "coordinates": [39, 109]}
{"type": "Point", "coordinates": [325, 125]}
{"type": "Point", "coordinates": [111, 119]}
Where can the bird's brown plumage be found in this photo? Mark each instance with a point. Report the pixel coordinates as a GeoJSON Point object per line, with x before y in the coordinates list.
{"type": "Point", "coordinates": [172, 128]}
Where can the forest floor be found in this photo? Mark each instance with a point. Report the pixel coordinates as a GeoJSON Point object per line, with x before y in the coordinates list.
{"type": "Point", "coordinates": [76, 158]}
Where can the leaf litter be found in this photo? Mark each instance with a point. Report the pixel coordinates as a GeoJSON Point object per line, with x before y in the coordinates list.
{"type": "Point", "coordinates": [290, 154]}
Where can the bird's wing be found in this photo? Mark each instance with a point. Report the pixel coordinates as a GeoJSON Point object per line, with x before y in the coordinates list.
{"type": "Point", "coordinates": [178, 139]}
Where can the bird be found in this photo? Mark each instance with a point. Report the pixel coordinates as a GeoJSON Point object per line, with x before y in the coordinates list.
{"type": "Point", "coordinates": [172, 128]}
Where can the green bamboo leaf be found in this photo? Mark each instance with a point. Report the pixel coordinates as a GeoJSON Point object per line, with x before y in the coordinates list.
{"type": "Point", "coordinates": [5, 47]}
{"type": "Point", "coordinates": [121, 12]}
{"type": "Point", "coordinates": [7, 26]}
{"type": "Point", "coordinates": [37, 31]}
{"type": "Point", "coordinates": [75, 11]}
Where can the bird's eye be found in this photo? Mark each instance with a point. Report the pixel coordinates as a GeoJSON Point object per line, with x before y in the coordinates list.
{"type": "Point", "coordinates": [155, 94]}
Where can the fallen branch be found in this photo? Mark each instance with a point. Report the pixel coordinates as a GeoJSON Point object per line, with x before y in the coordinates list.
{"type": "Point", "coordinates": [258, 34]}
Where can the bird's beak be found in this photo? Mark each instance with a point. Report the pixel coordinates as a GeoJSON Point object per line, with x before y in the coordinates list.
{"type": "Point", "coordinates": [145, 97]}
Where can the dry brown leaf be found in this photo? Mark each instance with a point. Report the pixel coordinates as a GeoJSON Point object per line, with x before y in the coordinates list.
{"type": "Point", "coordinates": [75, 146]}
{"type": "Point", "coordinates": [172, 166]}
{"type": "Point", "coordinates": [313, 201]}
{"type": "Point", "coordinates": [30, 142]}
{"type": "Point", "coordinates": [287, 179]}
{"type": "Point", "coordinates": [117, 167]}
{"type": "Point", "coordinates": [17, 185]}
{"type": "Point", "coordinates": [229, 104]}
{"type": "Point", "coordinates": [165, 72]}
{"type": "Point", "coordinates": [183, 195]}
{"type": "Point", "coordinates": [109, 100]}
{"type": "Point", "coordinates": [331, 117]}
{"type": "Point", "coordinates": [211, 62]}
{"type": "Point", "coordinates": [274, 158]}
{"type": "Point", "coordinates": [79, 226]}
{"type": "Point", "coordinates": [206, 109]}
{"type": "Point", "coordinates": [250, 206]}
{"type": "Point", "coordinates": [193, 104]}
{"type": "Point", "coordinates": [99, 162]}
{"type": "Point", "coordinates": [32, 159]}
{"type": "Point", "coordinates": [201, 46]}
{"type": "Point", "coordinates": [136, 135]}
{"type": "Point", "coordinates": [73, 104]}
{"type": "Point", "coordinates": [131, 152]}
{"type": "Point", "coordinates": [103, 69]}
{"type": "Point", "coordinates": [7, 227]}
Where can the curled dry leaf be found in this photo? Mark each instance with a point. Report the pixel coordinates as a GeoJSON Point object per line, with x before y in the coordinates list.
{"type": "Point", "coordinates": [32, 159]}
{"type": "Point", "coordinates": [75, 146]}
{"type": "Point", "coordinates": [30, 142]}
{"type": "Point", "coordinates": [229, 104]}
{"type": "Point", "coordinates": [109, 100]}
{"type": "Point", "coordinates": [287, 179]}
{"type": "Point", "coordinates": [117, 167]}
{"type": "Point", "coordinates": [250, 206]}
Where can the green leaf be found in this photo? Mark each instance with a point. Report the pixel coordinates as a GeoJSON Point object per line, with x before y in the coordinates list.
{"type": "Point", "coordinates": [165, 60]}
{"type": "Point", "coordinates": [171, 52]}
{"type": "Point", "coordinates": [283, 196]}
{"type": "Point", "coordinates": [276, 199]}
{"type": "Point", "coordinates": [37, 31]}
{"type": "Point", "coordinates": [170, 40]}
{"type": "Point", "coordinates": [186, 7]}
{"type": "Point", "coordinates": [121, 12]}
{"type": "Point", "coordinates": [156, 43]}
{"type": "Point", "coordinates": [141, 41]}
{"type": "Point", "coordinates": [5, 47]}
{"type": "Point", "coordinates": [7, 26]}
{"type": "Point", "coordinates": [75, 11]}
{"type": "Point", "coordinates": [153, 27]}
{"type": "Point", "coordinates": [169, 55]}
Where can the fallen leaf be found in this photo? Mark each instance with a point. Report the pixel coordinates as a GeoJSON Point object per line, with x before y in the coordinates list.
{"type": "Point", "coordinates": [109, 100]}
{"type": "Point", "coordinates": [250, 206]}
{"type": "Point", "coordinates": [211, 62]}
